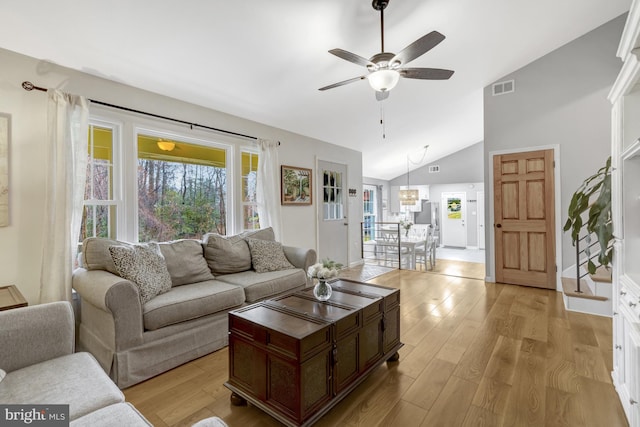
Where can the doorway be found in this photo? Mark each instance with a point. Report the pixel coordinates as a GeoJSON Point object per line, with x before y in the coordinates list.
{"type": "Point", "coordinates": [332, 212]}
{"type": "Point", "coordinates": [454, 214]}
{"type": "Point", "coordinates": [524, 218]}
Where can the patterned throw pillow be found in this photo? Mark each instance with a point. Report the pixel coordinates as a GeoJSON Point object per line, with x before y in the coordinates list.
{"type": "Point", "coordinates": [267, 256]}
{"type": "Point", "coordinates": [144, 265]}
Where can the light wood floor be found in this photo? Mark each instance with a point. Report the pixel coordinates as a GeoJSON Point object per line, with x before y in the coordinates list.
{"type": "Point", "coordinates": [475, 354]}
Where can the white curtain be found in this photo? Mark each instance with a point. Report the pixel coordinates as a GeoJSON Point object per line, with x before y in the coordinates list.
{"type": "Point", "coordinates": [66, 170]}
{"type": "Point", "coordinates": [268, 187]}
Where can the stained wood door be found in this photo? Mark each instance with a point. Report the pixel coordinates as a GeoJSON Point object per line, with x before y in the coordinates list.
{"type": "Point", "coordinates": [524, 207]}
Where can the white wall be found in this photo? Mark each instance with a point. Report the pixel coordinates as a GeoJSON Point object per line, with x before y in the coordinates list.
{"type": "Point", "coordinates": [462, 166]}
{"type": "Point", "coordinates": [21, 241]}
{"type": "Point", "coordinates": [560, 99]}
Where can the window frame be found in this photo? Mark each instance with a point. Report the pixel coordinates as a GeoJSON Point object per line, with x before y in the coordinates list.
{"type": "Point", "coordinates": [116, 199]}
{"type": "Point", "coordinates": [157, 130]}
{"type": "Point", "coordinates": [126, 160]}
{"type": "Point", "coordinates": [252, 151]}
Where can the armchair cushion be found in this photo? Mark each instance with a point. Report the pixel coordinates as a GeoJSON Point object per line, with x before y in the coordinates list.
{"type": "Point", "coordinates": [144, 265]}
{"type": "Point", "coordinates": [31, 335]}
{"type": "Point", "coordinates": [75, 379]}
{"type": "Point", "coordinates": [119, 414]}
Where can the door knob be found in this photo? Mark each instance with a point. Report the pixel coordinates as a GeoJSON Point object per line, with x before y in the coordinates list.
{"type": "Point", "coordinates": [499, 225]}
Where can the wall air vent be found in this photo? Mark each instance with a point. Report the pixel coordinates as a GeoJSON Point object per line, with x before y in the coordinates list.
{"type": "Point", "coordinates": [434, 169]}
{"type": "Point", "coordinates": [502, 88]}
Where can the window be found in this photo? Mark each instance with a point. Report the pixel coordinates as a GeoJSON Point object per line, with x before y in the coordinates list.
{"type": "Point", "coordinates": [160, 186]}
{"type": "Point", "coordinates": [250, 220]}
{"type": "Point", "coordinates": [99, 217]}
{"type": "Point", "coordinates": [332, 188]}
{"type": "Point", "coordinates": [182, 189]}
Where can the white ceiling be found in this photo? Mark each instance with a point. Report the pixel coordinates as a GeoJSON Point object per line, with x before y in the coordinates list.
{"type": "Point", "coordinates": [265, 60]}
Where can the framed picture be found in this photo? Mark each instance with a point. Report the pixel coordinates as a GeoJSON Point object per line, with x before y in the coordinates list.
{"type": "Point", "coordinates": [295, 185]}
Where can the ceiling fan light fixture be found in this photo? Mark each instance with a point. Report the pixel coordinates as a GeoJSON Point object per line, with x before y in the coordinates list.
{"type": "Point", "coordinates": [383, 80]}
{"type": "Point", "coordinates": [166, 145]}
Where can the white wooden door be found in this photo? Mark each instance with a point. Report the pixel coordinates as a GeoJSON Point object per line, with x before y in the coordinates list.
{"type": "Point", "coordinates": [332, 212]}
{"type": "Point", "coordinates": [481, 229]}
{"type": "Point", "coordinates": [454, 216]}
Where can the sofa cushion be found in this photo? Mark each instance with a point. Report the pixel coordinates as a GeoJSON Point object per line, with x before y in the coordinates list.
{"type": "Point", "coordinates": [184, 303]}
{"type": "Point", "coordinates": [185, 261]}
{"type": "Point", "coordinates": [230, 254]}
{"type": "Point", "coordinates": [144, 265]}
{"type": "Point", "coordinates": [258, 286]}
{"type": "Point", "coordinates": [96, 255]}
{"type": "Point", "coordinates": [76, 380]}
{"type": "Point", "coordinates": [120, 414]}
{"type": "Point", "coordinates": [267, 255]}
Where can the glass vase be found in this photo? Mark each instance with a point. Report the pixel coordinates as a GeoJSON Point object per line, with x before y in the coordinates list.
{"type": "Point", "coordinates": [322, 290]}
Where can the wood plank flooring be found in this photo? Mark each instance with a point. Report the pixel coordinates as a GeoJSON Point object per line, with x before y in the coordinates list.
{"type": "Point", "coordinates": [475, 354]}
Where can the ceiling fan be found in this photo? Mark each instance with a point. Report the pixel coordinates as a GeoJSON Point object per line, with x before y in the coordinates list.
{"type": "Point", "coordinates": [386, 68]}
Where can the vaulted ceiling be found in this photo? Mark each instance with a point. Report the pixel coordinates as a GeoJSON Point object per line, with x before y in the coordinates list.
{"type": "Point", "coordinates": [265, 60]}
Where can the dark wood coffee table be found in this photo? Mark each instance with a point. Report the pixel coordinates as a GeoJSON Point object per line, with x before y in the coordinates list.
{"type": "Point", "coordinates": [295, 357]}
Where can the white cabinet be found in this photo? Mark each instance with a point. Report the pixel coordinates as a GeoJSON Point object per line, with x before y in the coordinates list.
{"type": "Point", "coordinates": [625, 198]}
{"type": "Point", "coordinates": [394, 199]}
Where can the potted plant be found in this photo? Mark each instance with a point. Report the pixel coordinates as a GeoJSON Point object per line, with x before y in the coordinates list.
{"type": "Point", "coordinates": [594, 197]}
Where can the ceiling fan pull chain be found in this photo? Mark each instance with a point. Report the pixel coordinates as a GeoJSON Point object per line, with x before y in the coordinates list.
{"type": "Point", "coordinates": [382, 121]}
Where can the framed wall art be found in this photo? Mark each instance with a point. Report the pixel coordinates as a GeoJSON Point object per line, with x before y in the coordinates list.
{"type": "Point", "coordinates": [295, 185]}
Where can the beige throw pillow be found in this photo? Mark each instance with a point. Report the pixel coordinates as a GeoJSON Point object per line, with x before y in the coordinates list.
{"type": "Point", "coordinates": [144, 265]}
{"type": "Point", "coordinates": [230, 254]}
{"type": "Point", "coordinates": [185, 261]}
{"type": "Point", "coordinates": [267, 256]}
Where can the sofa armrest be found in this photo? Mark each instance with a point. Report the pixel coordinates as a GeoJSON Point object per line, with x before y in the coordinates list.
{"type": "Point", "coordinates": [300, 257]}
{"type": "Point", "coordinates": [115, 297]}
{"type": "Point", "coordinates": [31, 335]}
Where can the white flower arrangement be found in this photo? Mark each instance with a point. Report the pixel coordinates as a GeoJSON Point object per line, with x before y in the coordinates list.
{"type": "Point", "coordinates": [324, 270]}
{"type": "Point", "coordinates": [406, 224]}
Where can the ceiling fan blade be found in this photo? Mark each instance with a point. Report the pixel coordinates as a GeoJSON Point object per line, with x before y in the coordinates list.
{"type": "Point", "coordinates": [351, 57]}
{"type": "Point", "coordinates": [381, 96]}
{"type": "Point", "coordinates": [425, 73]}
{"type": "Point", "coordinates": [355, 79]}
{"type": "Point", "coordinates": [419, 47]}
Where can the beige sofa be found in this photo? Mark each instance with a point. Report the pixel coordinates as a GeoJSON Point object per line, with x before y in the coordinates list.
{"type": "Point", "coordinates": [135, 340]}
{"type": "Point", "coordinates": [37, 354]}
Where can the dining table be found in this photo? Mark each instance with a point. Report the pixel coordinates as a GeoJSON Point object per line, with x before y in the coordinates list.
{"type": "Point", "coordinates": [405, 243]}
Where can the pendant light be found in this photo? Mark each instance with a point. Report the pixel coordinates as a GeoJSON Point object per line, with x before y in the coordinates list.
{"type": "Point", "coordinates": [409, 197]}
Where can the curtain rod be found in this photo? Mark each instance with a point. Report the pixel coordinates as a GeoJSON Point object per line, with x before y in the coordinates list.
{"type": "Point", "coordinates": [26, 85]}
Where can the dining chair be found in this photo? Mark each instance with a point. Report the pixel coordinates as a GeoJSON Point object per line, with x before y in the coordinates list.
{"type": "Point", "coordinates": [393, 251]}
{"type": "Point", "coordinates": [424, 250]}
